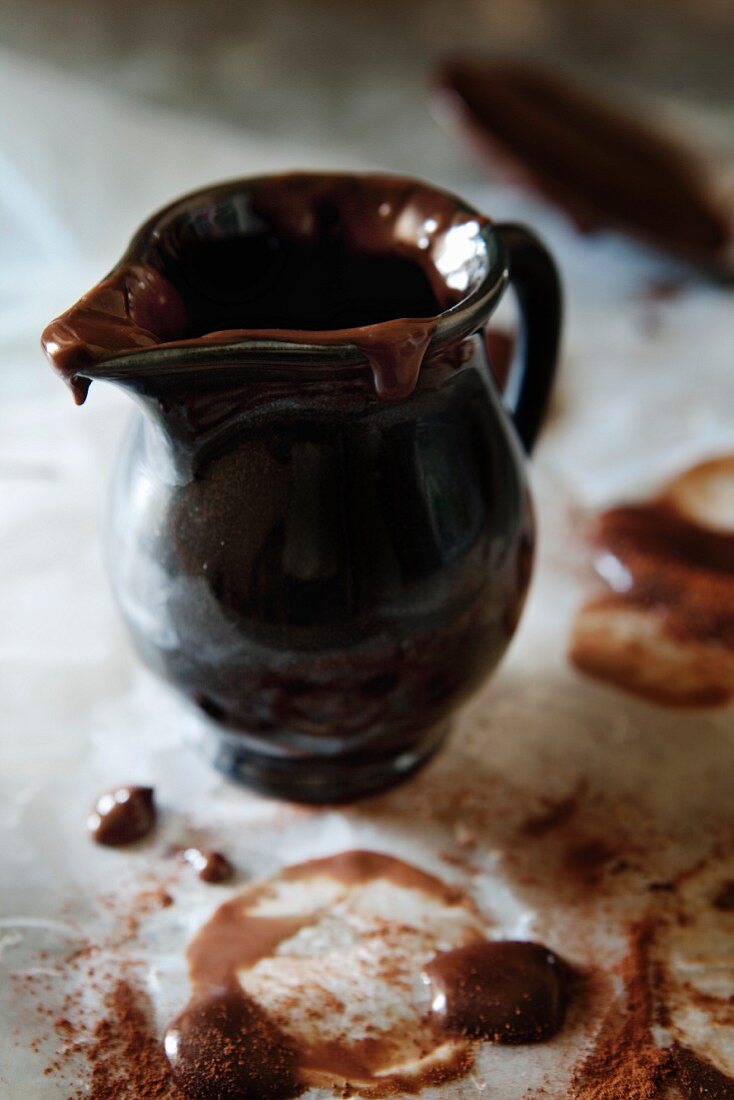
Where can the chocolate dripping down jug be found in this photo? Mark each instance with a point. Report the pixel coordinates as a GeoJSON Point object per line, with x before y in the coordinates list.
{"type": "Point", "coordinates": [320, 530]}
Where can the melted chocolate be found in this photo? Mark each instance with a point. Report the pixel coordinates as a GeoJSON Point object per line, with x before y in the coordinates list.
{"type": "Point", "coordinates": [122, 816]}
{"type": "Point", "coordinates": [224, 1046]}
{"type": "Point", "coordinates": [221, 1023]}
{"type": "Point", "coordinates": [326, 260]}
{"type": "Point", "coordinates": [210, 866]}
{"type": "Point", "coordinates": [598, 163]}
{"type": "Point", "coordinates": [666, 564]}
{"type": "Point", "coordinates": [132, 309]}
{"type": "Point", "coordinates": [683, 570]}
{"type": "Point", "coordinates": [506, 991]}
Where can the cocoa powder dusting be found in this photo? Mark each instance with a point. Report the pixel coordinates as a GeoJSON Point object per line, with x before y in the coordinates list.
{"type": "Point", "coordinates": [552, 816]}
{"type": "Point", "coordinates": [587, 860]}
{"type": "Point", "coordinates": [125, 1056]}
{"type": "Point", "coordinates": [625, 1062]}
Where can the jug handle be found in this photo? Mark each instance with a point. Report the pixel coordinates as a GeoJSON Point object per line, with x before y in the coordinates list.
{"type": "Point", "coordinates": [534, 277]}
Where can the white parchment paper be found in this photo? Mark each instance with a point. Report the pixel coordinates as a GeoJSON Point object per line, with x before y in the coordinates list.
{"type": "Point", "coordinates": [645, 387]}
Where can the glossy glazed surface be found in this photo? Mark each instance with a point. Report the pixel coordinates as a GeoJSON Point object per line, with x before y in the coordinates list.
{"type": "Point", "coordinates": [321, 535]}
{"type": "Point", "coordinates": [323, 569]}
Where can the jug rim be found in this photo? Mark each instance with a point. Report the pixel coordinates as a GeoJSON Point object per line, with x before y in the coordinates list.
{"type": "Point", "coordinates": [288, 347]}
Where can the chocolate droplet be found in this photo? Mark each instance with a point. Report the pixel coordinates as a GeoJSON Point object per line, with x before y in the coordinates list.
{"type": "Point", "coordinates": [122, 816]}
{"type": "Point", "coordinates": [225, 1046]}
{"type": "Point", "coordinates": [507, 991]}
{"type": "Point", "coordinates": [210, 866]}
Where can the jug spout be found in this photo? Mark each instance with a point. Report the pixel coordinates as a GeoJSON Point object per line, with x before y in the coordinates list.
{"type": "Point", "coordinates": [135, 308]}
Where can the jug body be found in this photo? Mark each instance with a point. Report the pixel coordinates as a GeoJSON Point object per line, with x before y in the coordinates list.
{"type": "Point", "coordinates": [320, 530]}
{"type": "Point", "coordinates": [330, 575]}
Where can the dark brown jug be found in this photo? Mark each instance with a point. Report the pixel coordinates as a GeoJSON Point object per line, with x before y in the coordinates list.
{"type": "Point", "coordinates": [320, 530]}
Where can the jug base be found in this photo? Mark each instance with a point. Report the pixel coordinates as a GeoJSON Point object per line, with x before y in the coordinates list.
{"type": "Point", "coordinates": [319, 779]}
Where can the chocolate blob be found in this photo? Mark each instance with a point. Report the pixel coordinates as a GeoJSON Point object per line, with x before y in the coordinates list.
{"type": "Point", "coordinates": [506, 991]}
{"type": "Point", "coordinates": [122, 816]}
{"type": "Point", "coordinates": [210, 866]}
{"type": "Point", "coordinates": [224, 1046]}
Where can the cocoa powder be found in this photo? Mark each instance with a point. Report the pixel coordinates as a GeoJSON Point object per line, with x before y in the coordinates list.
{"type": "Point", "coordinates": [625, 1062]}
{"type": "Point", "coordinates": [125, 1056]}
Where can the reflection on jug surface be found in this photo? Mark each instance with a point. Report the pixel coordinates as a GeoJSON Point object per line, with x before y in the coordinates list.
{"type": "Point", "coordinates": [320, 529]}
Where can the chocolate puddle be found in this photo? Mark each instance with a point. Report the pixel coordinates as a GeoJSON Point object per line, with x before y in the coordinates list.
{"type": "Point", "coordinates": [665, 627]}
{"type": "Point", "coordinates": [594, 160]}
{"type": "Point", "coordinates": [306, 1036]}
{"type": "Point", "coordinates": [323, 260]}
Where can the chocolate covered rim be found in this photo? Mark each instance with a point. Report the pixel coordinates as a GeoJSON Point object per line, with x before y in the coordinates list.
{"type": "Point", "coordinates": [474, 256]}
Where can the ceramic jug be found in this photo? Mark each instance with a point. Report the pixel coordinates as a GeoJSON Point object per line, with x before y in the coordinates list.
{"type": "Point", "coordinates": [320, 530]}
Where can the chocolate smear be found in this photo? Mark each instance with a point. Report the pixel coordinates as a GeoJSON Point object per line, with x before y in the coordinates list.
{"type": "Point", "coordinates": [697, 1078]}
{"type": "Point", "coordinates": [665, 627]}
